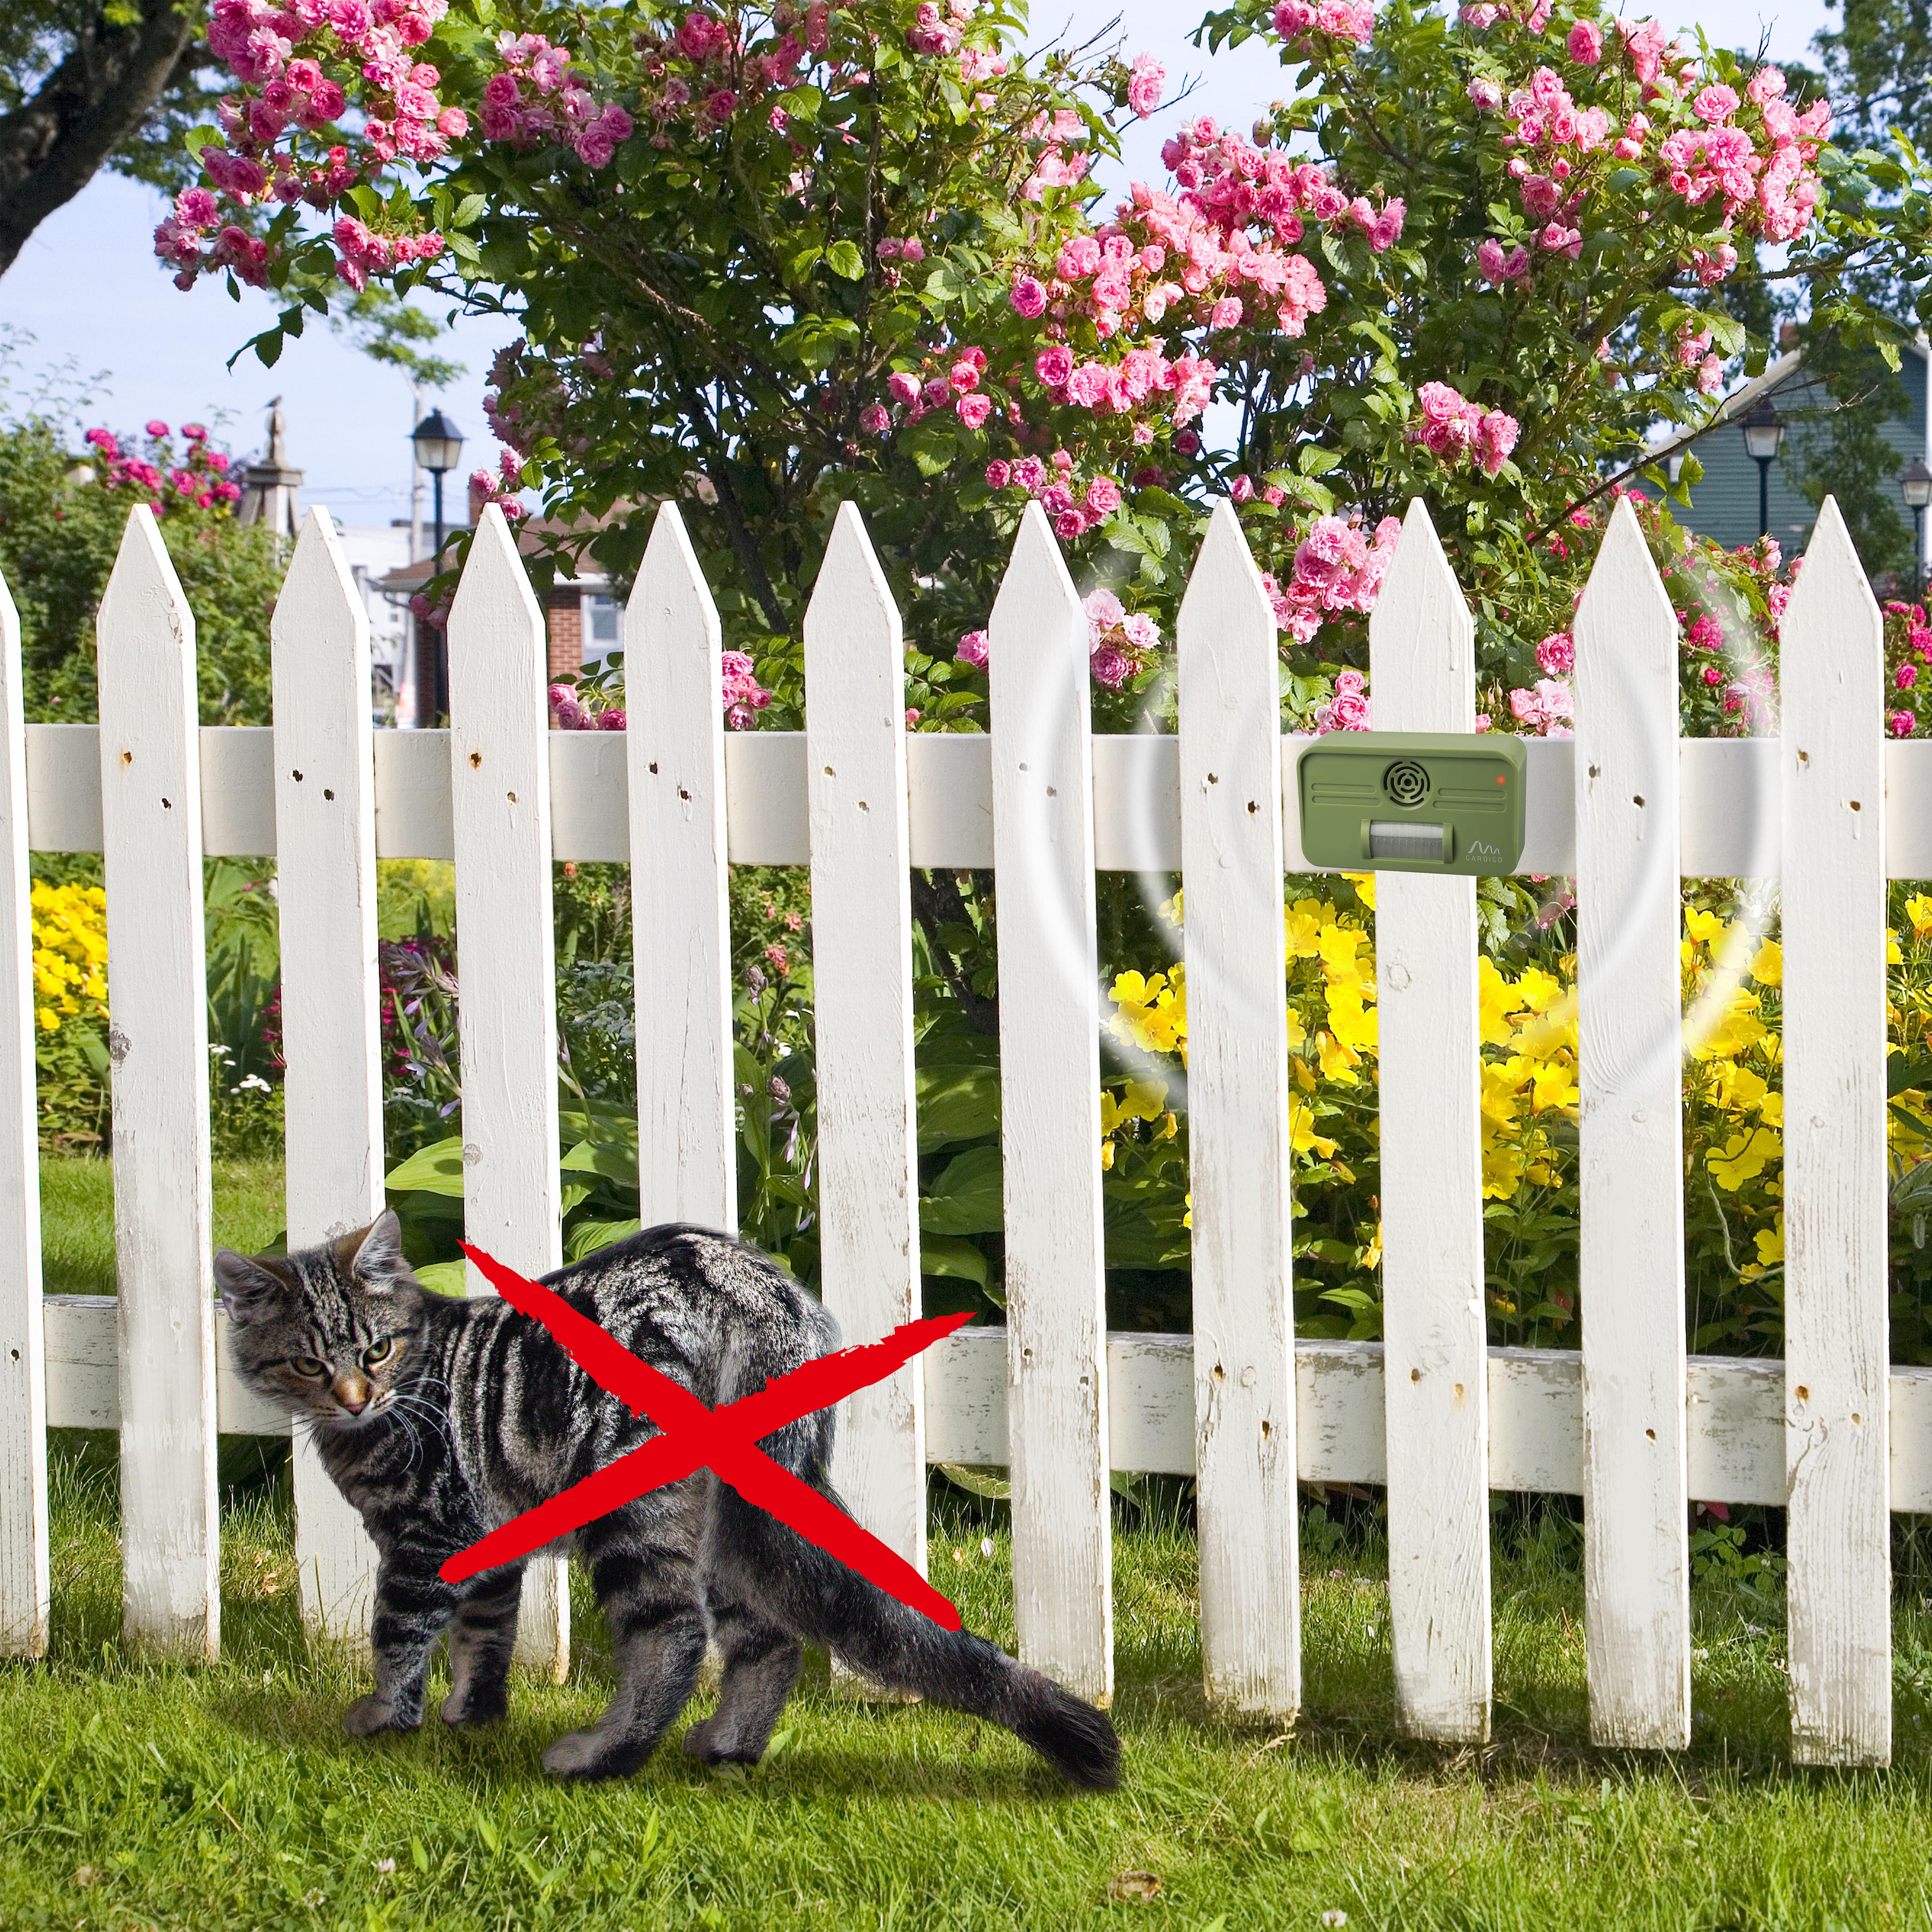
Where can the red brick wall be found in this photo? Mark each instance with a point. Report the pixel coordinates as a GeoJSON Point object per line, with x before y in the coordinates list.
{"type": "Point", "coordinates": [565, 624]}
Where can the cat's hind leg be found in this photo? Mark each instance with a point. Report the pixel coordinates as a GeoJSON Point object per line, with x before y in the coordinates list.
{"type": "Point", "coordinates": [482, 1637]}
{"type": "Point", "coordinates": [643, 1566]}
{"type": "Point", "coordinates": [761, 1666]}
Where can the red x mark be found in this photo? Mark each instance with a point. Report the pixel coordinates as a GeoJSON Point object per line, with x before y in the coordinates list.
{"type": "Point", "coordinates": [724, 1440]}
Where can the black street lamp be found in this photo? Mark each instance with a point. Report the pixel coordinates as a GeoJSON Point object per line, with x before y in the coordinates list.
{"type": "Point", "coordinates": [1764, 430]}
{"type": "Point", "coordinates": [439, 445]}
{"type": "Point", "coordinates": [1915, 485]}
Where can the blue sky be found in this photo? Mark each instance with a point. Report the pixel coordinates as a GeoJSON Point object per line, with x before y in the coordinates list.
{"type": "Point", "coordinates": [87, 290]}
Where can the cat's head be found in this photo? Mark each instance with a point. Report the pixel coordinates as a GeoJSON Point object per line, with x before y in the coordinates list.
{"type": "Point", "coordinates": [328, 1333]}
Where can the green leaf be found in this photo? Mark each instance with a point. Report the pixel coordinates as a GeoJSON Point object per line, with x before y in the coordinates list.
{"type": "Point", "coordinates": [449, 1278]}
{"type": "Point", "coordinates": [433, 1170]}
{"type": "Point", "coordinates": [930, 449]}
{"type": "Point", "coordinates": [199, 138]}
{"type": "Point", "coordinates": [611, 1160]}
{"type": "Point", "coordinates": [994, 1488]}
{"type": "Point", "coordinates": [470, 210]}
{"type": "Point", "coordinates": [946, 1254]}
{"type": "Point", "coordinates": [587, 1236]}
{"type": "Point", "coordinates": [843, 258]}
{"type": "Point", "coordinates": [965, 1199]}
{"type": "Point", "coordinates": [1312, 459]}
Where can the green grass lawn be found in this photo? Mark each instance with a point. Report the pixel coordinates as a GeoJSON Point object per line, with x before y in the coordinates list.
{"type": "Point", "coordinates": [139, 1796]}
{"type": "Point", "coordinates": [77, 1217]}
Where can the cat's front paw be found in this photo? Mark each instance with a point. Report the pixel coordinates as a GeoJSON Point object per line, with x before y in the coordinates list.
{"type": "Point", "coordinates": [368, 1716]}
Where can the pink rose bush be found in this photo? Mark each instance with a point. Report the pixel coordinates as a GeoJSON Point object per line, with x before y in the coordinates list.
{"type": "Point", "coordinates": [167, 481]}
{"type": "Point", "coordinates": [772, 257]}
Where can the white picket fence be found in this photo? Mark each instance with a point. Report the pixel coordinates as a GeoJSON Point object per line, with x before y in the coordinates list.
{"type": "Point", "coordinates": [1629, 1424]}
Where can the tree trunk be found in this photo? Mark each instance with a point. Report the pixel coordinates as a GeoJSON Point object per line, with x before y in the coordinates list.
{"type": "Point", "coordinates": [52, 145]}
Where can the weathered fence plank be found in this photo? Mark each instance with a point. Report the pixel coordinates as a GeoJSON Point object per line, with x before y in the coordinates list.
{"type": "Point", "coordinates": [862, 974]}
{"type": "Point", "coordinates": [1050, 1117]}
{"type": "Point", "coordinates": [1836, 1318]}
{"type": "Point", "coordinates": [687, 1141]}
{"type": "Point", "coordinates": [1232, 867]}
{"type": "Point", "coordinates": [158, 997]}
{"type": "Point", "coordinates": [331, 1031]}
{"type": "Point", "coordinates": [26, 1598]}
{"type": "Point", "coordinates": [500, 784]}
{"type": "Point", "coordinates": [1636, 1607]}
{"type": "Point", "coordinates": [1423, 678]}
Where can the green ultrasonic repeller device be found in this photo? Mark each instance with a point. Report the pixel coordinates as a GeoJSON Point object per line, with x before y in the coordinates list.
{"type": "Point", "coordinates": [1412, 801]}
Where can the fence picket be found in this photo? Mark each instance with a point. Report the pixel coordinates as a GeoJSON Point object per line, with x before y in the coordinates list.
{"type": "Point", "coordinates": [1637, 1611]}
{"type": "Point", "coordinates": [158, 996]}
{"type": "Point", "coordinates": [1232, 866]}
{"type": "Point", "coordinates": [26, 1599]}
{"type": "Point", "coordinates": [687, 1142]}
{"type": "Point", "coordinates": [325, 838]}
{"type": "Point", "coordinates": [1422, 654]}
{"type": "Point", "coordinates": [862, 979]}
{"type": "Point", "coordinates": [500, 784]}
{"type": "Point", "coordinates": [1836, 1328]}
{"type": "Point", "coordinates": [1050, 1117]}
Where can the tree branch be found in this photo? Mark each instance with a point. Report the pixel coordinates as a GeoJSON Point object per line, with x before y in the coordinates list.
{"type": "Point", "coordinates": [52, 145]}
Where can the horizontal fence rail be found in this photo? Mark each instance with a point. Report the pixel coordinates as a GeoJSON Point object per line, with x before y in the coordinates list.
{"type": "Point", "coordinates": [1631, 1423]}
{"type": "Point", "coordinates": [1728, 821]}
{"type": "Point", "coordinates": [1734, 1414]}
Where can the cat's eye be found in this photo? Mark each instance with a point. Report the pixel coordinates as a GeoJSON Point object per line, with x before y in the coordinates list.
{"type": "Point", "coordinates": [308, 1365]}
{"type": "Point", "coordinates": [379, 1352]}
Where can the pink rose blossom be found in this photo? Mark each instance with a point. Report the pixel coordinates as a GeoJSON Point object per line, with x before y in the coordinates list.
{"type": "Point", "coordinates": [1901, 724]}
{"type": "Point", "coordinates": [873, 420]}
{"type": "Point", "coordinates": [1029, 296]}
{"type": "Point", "coordinates": [973, 410]}
{"type": "Point", "coordinates": [1585, 44]}
{"type": "Point", "coordinates": [1715, 104]}
{"type": "Point", "coordinates": [999, 473]}
{"type": "Point", "coordinates": [1144, 89]}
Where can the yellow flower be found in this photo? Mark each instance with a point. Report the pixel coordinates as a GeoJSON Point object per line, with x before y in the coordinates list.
{"type": "Point", "coordinates": [1705, 928]}
{"type": "Point", "coordinates": [1893, 956]}
{"type": "Point", "coordinates": [1743, 1157]}
{"type": "Point", "coordinates": [1502, 1170]}
{"type": "Point", "coordinates": [1338, 1060]}
{"type": "Point", "coordinates": [1767, 967]}
{"type": "Point", "coordinates": [1338, 946]}
{"type": "Point", "coordinates": [1301, 1134]}
{"type": "Point", "coordinates": [1918, 909]}
{"type": "Point", "coordinates": [1302, 925]}
{"type": "Point", "coordinates": [1498, 998]}
{"type": "Point", "coordinates": [1353, 1024]}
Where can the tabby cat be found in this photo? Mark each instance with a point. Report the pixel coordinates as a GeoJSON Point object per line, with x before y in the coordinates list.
{"type": "Point", "coordinates": [440, 1419]}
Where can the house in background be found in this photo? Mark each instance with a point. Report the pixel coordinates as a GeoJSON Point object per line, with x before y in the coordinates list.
{"type": "Point", "coordinates": [583, 622]}
{"type": "Point", "coordinates": [1724, 500]}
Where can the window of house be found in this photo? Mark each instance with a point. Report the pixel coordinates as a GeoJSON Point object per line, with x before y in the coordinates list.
{"type": "Point", "coordinates": [603, 628]}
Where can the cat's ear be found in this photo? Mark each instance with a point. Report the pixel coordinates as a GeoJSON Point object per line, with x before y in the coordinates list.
{"type": "Point", "coordinates": [249, 1290]}
{"type": "Point", "coordinates": [377, 1259]}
